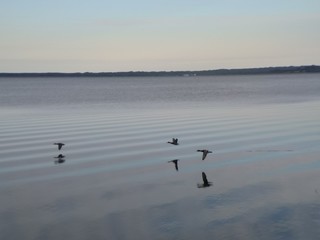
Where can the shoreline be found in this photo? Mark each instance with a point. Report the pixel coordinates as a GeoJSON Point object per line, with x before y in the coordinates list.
{"type": "Point", "coordinates": [217, 72]}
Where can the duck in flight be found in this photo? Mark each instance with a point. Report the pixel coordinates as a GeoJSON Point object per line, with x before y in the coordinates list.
{"type": "Point", "coordinates": [204, 153]}
{"type": "Point", "coordinates": [174, 141]}
{"type": "Point", "coordinates": [175, 161]}
{"type": "Point", "coordinates": [205, 183]}
{"type": "Point", "coordinates": [59, 145]}
{"type": "Point", "coordinates": [60, 156]}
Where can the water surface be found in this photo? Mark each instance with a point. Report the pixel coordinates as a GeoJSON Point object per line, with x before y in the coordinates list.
{"type": "Point", "coordinates": [116, 182]}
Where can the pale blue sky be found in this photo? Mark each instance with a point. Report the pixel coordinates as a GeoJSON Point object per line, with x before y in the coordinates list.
{"type": "Point", "coordinates": [148, 35]}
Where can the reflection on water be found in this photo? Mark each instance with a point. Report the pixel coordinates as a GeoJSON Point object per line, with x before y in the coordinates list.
{"type": "Point", "coordinates": [60, 159]}
{"type": "Point", "coordinates": [117, 182]}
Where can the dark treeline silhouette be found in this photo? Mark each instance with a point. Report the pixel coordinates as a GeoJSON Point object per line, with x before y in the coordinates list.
{"type": "Point", "coordinates": [243, 71]}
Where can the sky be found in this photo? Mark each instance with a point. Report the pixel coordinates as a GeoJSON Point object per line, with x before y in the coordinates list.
{"type": "Point", "coordinates": [156, 35]}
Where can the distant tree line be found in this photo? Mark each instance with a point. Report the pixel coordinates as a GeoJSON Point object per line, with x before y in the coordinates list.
{"type": "Point", "coordinates": [243, 71]}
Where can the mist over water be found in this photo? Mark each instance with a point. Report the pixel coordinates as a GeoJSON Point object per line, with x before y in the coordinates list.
{"type": "Point", "coordinates": [115, 181]}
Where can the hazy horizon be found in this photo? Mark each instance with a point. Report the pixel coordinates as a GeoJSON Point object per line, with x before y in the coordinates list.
{"type": "Point", "coordinates": [186, 70]}
{"type": "Point", "coordinates": [104, 36]}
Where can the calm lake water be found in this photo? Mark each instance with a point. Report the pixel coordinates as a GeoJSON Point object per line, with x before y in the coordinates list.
{"type": "Point", "coordinates": [115, 181]}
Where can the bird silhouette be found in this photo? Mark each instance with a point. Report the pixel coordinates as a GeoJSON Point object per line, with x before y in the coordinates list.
{"type": "Point", "coordinates": [204, 153]}
{"type": "Point", "coordinates": [60, 156]}
{"type": "Point", "coordinates": [175, 161]}
{"type": "Point", "coordinates": [174, 141]}
{"type": "Point", "coordinates": [59, 145]}
{"type": "Point", "coordinates": [205, 183]}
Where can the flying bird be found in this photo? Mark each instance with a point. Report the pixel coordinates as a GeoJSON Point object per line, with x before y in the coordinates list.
{"type": "Point", "coordinates": [204, 153]}
{"type": "Point", "coordinates": [174, 141]}
{"type": "Point", "coordinates": [60, 156]}
{"type": "Point", "coordinates": [175, 161]}
{"type": "Point", "coordinates": [59, 145]}
{"type": "Point", "coordinates": [205, 181]}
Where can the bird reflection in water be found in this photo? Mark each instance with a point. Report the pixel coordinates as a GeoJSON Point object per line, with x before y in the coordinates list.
{"type": "Point", "coordinates": [205, 183]}
{"type": "Point", "coordinates": [175, 161]}
{"type": "Point", "coordinates": [60, 159]}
